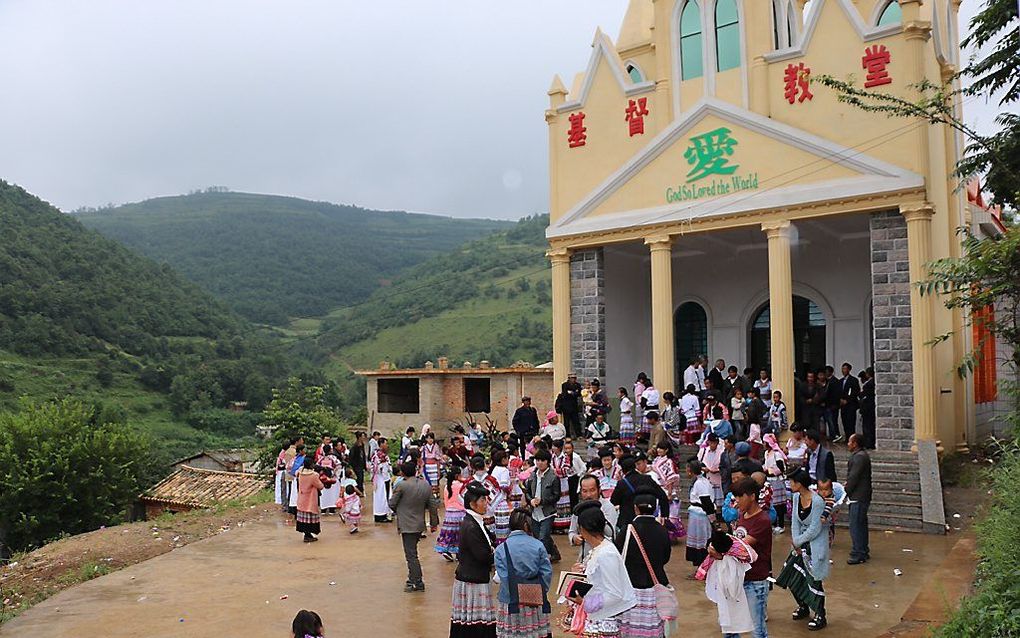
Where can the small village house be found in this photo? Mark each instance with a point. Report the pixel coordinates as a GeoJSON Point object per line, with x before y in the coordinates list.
{"type": "Point", "coordinates": [190, 488]}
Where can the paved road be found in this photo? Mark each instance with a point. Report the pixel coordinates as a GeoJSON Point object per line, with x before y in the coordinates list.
{"type": "Point", "coordinates": [231, 586]}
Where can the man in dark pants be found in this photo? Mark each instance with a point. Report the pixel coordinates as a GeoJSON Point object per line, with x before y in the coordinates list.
{"type": "Point", "coordinates": [849, 388]}
{"type": "Point", "coordinates": [858, 493]}
{"type": "Point", "coordinates": [410, 499]}
{"type": "Point", "coordinates": [821, 464]}
{"type": "Point", "coordinates": [359, 459]}
{"type": "Point", "coordinates": [542, 490]}
{"type": "Point", "coordinates": [833, 400]}
{"type": "Point", "coordinates": [867, 402]}
{"type": "Point", "coordinates": [567, 405]}
{"type": "Point", "coordinates": [525, 422]}
{"type": "Point", "coordinates": [623, 494]}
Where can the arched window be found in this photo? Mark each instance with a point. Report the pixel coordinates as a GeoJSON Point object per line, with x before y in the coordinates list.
{"type": "Point", "coordinates": [727, 35]}
{"type": "Point", "coordinates": [777, 42]}
{"type": "Point", "coordinates": [691, 62]}
{"type": "Point", "coordinates": [791, 24]}
{"type": "Point", "coordinates": [808, 337]}
{"type": "Point", "coordinates": [807, 9]}
{"type": "Point", "coordinates": [635, 74]}
{"type": "Point", "coordinates": [690, 325]}
{"type": "Point", "coordinates": [892, 14]}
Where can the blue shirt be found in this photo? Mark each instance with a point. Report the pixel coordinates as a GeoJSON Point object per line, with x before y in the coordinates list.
{"type": "Point", "coordinates": [531, 563]}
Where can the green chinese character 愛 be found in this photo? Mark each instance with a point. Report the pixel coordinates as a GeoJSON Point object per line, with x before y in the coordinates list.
{"type": "Point", "coordinates": [707, 154]}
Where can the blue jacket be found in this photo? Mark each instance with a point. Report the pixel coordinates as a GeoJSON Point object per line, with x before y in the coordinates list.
{"type": "Point", "coordinates": [810, 534]}
{"type": "Point", "coordinates": [531, 564]}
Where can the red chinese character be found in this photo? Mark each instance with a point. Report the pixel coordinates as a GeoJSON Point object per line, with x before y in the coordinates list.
{"type": "Point", "coordinates": [577, 134]}
{"type": "Point", "coordinates": [796, 78]}
{"type": "Point", "coordinates": [636, 112]}
{"type": "Point", "coordinates": [874, 61]}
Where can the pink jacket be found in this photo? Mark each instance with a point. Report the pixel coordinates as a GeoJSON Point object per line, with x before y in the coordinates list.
{"type": "Point", "coordinates": [309, 485]}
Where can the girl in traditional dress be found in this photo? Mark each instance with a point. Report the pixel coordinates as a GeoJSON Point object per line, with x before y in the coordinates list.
{"type": "Point", "coordinates": [640, 385]}
{"type": "Point", "coordinates": [432, 457]}
{"type": "Point", "coordinates": [649, 403]}
{"type": "Point", "coordinates": [481, 476]}
{"type": "Point", "coordinates": [575, 469]}
{"type": "Point", "coordinates": [775, 472]}
{"type": "Point", "coordinates": [308, 487]}
{"type": "Point", "coordinates": [515, 464]}
{"type": "Point", "coordinates": [619, 451]}
{"type": "Point", "coordinates": [382, 472]}
{"type": "Point", "coordinates": [690, 406]}
{"type": "Point", "coordinates": [672, 419]}
{"type": "Point", "coordinates": [280, 482]}
{"type": "Point", "coordinates": [699, 527]}
{"type": "Point", "coordinates": [448, 541]}
{"type": "Point", "coordinates": [606, 474]}
{"type": "Point", "coordinates": [472, 611]}
{"type": "Point", "coordinates": [611, 594]}
{"type": "Point", "coordinates": [522, 559]}
{"type": "Point", "coordinates": [669, 479]}
{"type": "Point", "coordinates": [498, 483]}
{"type": "Point", "coordinates": [626, 418]}
{"type": "Point", "coordinates": [711, 458]}
{"type": "Point", "coordinates": [560, 467]}
{"type": "Point", "coordinates": [350, 504]}
{"type": "Point", "coordinates": [646, 551]}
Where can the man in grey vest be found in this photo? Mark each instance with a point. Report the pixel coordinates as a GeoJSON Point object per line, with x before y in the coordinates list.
{"type": "Point", "coordinates": [410, 499]}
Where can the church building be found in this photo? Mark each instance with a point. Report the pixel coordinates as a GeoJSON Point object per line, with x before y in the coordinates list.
{"type": "Point", "coordinates": [707, 197]}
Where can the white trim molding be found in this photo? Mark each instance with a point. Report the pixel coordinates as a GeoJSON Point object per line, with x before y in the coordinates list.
{"type": "Point", "coordinates": [876, 177]}
{"type": "Point", "coordinates": [604, 49]}
{"type": "Point", "coordinates": [866, 32]}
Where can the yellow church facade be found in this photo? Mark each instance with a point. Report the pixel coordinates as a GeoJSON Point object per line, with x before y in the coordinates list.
{"type": "Point", "coordinates": [708, 198]}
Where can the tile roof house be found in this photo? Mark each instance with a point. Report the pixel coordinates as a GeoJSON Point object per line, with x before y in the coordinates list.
{"type": "Point", "coordinates": [190, 488]}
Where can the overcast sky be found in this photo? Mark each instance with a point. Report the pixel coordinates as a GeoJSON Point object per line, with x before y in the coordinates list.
{"type": "Point", "coordinates": [432, 106]}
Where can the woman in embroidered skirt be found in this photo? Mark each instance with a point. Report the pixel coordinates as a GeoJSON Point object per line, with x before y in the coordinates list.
{"type": "Point", "coordinates": [611, 594]}
{"type": "Point", "coordinates": [626, 418]}
{"type": "Point", "coordinates": [432, 458]}
{"type": "Point", "coordinates": [498, 484]}
{"type": "Point", "coordinates": [775, 470]}
{"type": "Point", "coordinates": [522, 559]}
{"type": "Point", "coordinates": [711, 457]}
{"type": "Point", "coordinates": [472, 614]}
{"type": "Point", "coordinates": [699, 528]}
{"type": "Point", "coordinates": [690, 406]}
{"type": "Point", "coordinates": [669, 479]}
{"type": "Point", "coordinates": [560, 467]}
{"type": "Point", "coordinates": [448, 541]}
{"type": "Point", "coordinates": [646, 551]}
{"type": "Point", "coordinates": [308, 486]}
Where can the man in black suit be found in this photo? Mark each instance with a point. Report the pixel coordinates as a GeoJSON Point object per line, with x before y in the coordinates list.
{"type": "Point", "coordinates": [525, 423]}
{"type": "Point", "coordinates": [821, 464]}
{"type": "Point", "coordinates": [730, 383]}
{"type": "Point", "coordinates": [866, 399]}
{"type": "Point", "coordinates": [849, 389]}
{"type": "Point", "coordinates": [833, 400]}
{"type": "Point", "coordinates": [717, 375]}
{"type": "Point", "coordinates": [623, 494]}
{"type": "Point", "coordinates": [567, 405]}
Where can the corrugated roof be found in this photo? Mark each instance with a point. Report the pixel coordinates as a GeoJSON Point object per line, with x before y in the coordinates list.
{"type": "Point", "coordinates": [195, 487]}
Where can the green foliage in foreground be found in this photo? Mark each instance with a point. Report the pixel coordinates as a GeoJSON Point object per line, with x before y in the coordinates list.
{"type": "Point", "coordinates": [65, 470]}
{"type": "Point", "coordinates": [993, 611]}
{"type": "Point", "coordinates": [300, 410]}
{"type": "Point", "coordinates": [272, 258]}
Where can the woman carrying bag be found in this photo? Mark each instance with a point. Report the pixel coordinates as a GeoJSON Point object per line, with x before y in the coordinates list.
{"type": "Point", "coordinates": [471, 613]}
{"type": "Point", "coordinates": [525, 574]}
{"type": "Point", "coordinates": [646, 551]}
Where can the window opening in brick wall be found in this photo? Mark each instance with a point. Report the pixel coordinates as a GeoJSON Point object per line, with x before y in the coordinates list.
{"type": "Point", "coordinates": [476, 395]}
{"type": "Point", "coordinates": [398, 396]}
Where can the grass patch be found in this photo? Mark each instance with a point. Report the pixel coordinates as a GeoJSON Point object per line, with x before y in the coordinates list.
{"type": "Point", "coordinates": [84, 573]}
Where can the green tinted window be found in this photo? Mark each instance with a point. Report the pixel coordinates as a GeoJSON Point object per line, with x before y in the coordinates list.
{"type": "Point", "coordinates": [892, 14]}
{"type": "Point", "coordinates": [691, 63]}
{"type": "Point", "coordinates": [635, 74]}
{"type": "Point", "coordinates": [727, 35]}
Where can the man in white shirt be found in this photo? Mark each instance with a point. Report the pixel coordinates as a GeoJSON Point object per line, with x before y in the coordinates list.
{"type": "Point", "coordinates": [695, 375]}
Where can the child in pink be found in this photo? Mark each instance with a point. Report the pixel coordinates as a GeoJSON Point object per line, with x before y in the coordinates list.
{"type": "Point", "coordinates": [351, 500]}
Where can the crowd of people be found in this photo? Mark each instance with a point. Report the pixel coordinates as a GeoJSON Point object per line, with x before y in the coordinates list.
{"type": "Point", "coordinates": [617, 496]}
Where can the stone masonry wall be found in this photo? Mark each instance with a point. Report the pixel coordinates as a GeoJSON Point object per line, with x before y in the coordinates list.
{"type": "Point", "coordinates": [587, 315]}
{"type": "Point", "coordinates": [890, 287]}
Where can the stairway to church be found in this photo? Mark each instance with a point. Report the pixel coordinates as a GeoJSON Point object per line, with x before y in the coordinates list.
{"type": "Point", "coordinates": [895, 480]}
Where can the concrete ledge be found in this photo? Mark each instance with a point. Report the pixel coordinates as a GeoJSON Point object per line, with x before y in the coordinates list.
{"type": "Point", "coordinates": [951, 582]}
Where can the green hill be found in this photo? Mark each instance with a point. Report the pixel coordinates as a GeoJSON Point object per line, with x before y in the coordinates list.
{"type": "Point", "coordinates": [274, 258]}
{"type": "Point", "coordinates": [84, 317]}
{"type": "Point", "coordinates": [488, 300]}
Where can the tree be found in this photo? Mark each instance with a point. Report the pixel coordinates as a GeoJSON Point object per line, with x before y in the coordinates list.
{"type": "Point", "coordinates": [997, 156]}
{"type": "Point", "coordinates": [65, 470]}
{"type": "Point", "coordinates": [298, 410]}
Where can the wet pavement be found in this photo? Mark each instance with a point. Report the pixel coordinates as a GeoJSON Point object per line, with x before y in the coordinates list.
{"type": "Point", "coordinates": [251, 582]}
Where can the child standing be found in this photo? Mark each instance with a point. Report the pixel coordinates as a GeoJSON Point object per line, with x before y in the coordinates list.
{"type": "Point", "coordinates": [737, 413]}
{"type": "Point", "coordinates": [777, 414]}
{"type": "Point", "coordinates": [351, 507]}
{"type": "Point", "coordinates": [626, 418]}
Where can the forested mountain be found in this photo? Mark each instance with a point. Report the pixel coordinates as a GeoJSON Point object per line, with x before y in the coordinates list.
{"type": "Point", "coordinates": [273, 258]}
{"type": "Point", "coordinates": [488, 300]}
{"type": "Point", "coordinates": [67, 290]}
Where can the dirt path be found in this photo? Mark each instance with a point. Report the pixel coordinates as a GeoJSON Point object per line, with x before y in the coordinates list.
{"type": "Point", "coordinates": [234, 585]}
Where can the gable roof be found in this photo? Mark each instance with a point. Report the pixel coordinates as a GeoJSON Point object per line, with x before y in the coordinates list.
{"type": "Point", "coordinates": [193, 487]}
{"type": "Point", "coordinates": [866, 31]}
{"type": "Point", "coordinates": [877, 176]}
{"type": "Point", "coordinates": [603, 49]}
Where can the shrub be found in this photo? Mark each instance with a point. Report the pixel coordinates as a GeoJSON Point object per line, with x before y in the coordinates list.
{"type": "Point", "coordinates": [63, 469]}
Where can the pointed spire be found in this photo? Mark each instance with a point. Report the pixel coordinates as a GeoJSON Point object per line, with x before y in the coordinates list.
{"type": "Point", "coordinates": [637, 24]}
{"type": "Point", "coordinates": [557, 92]}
